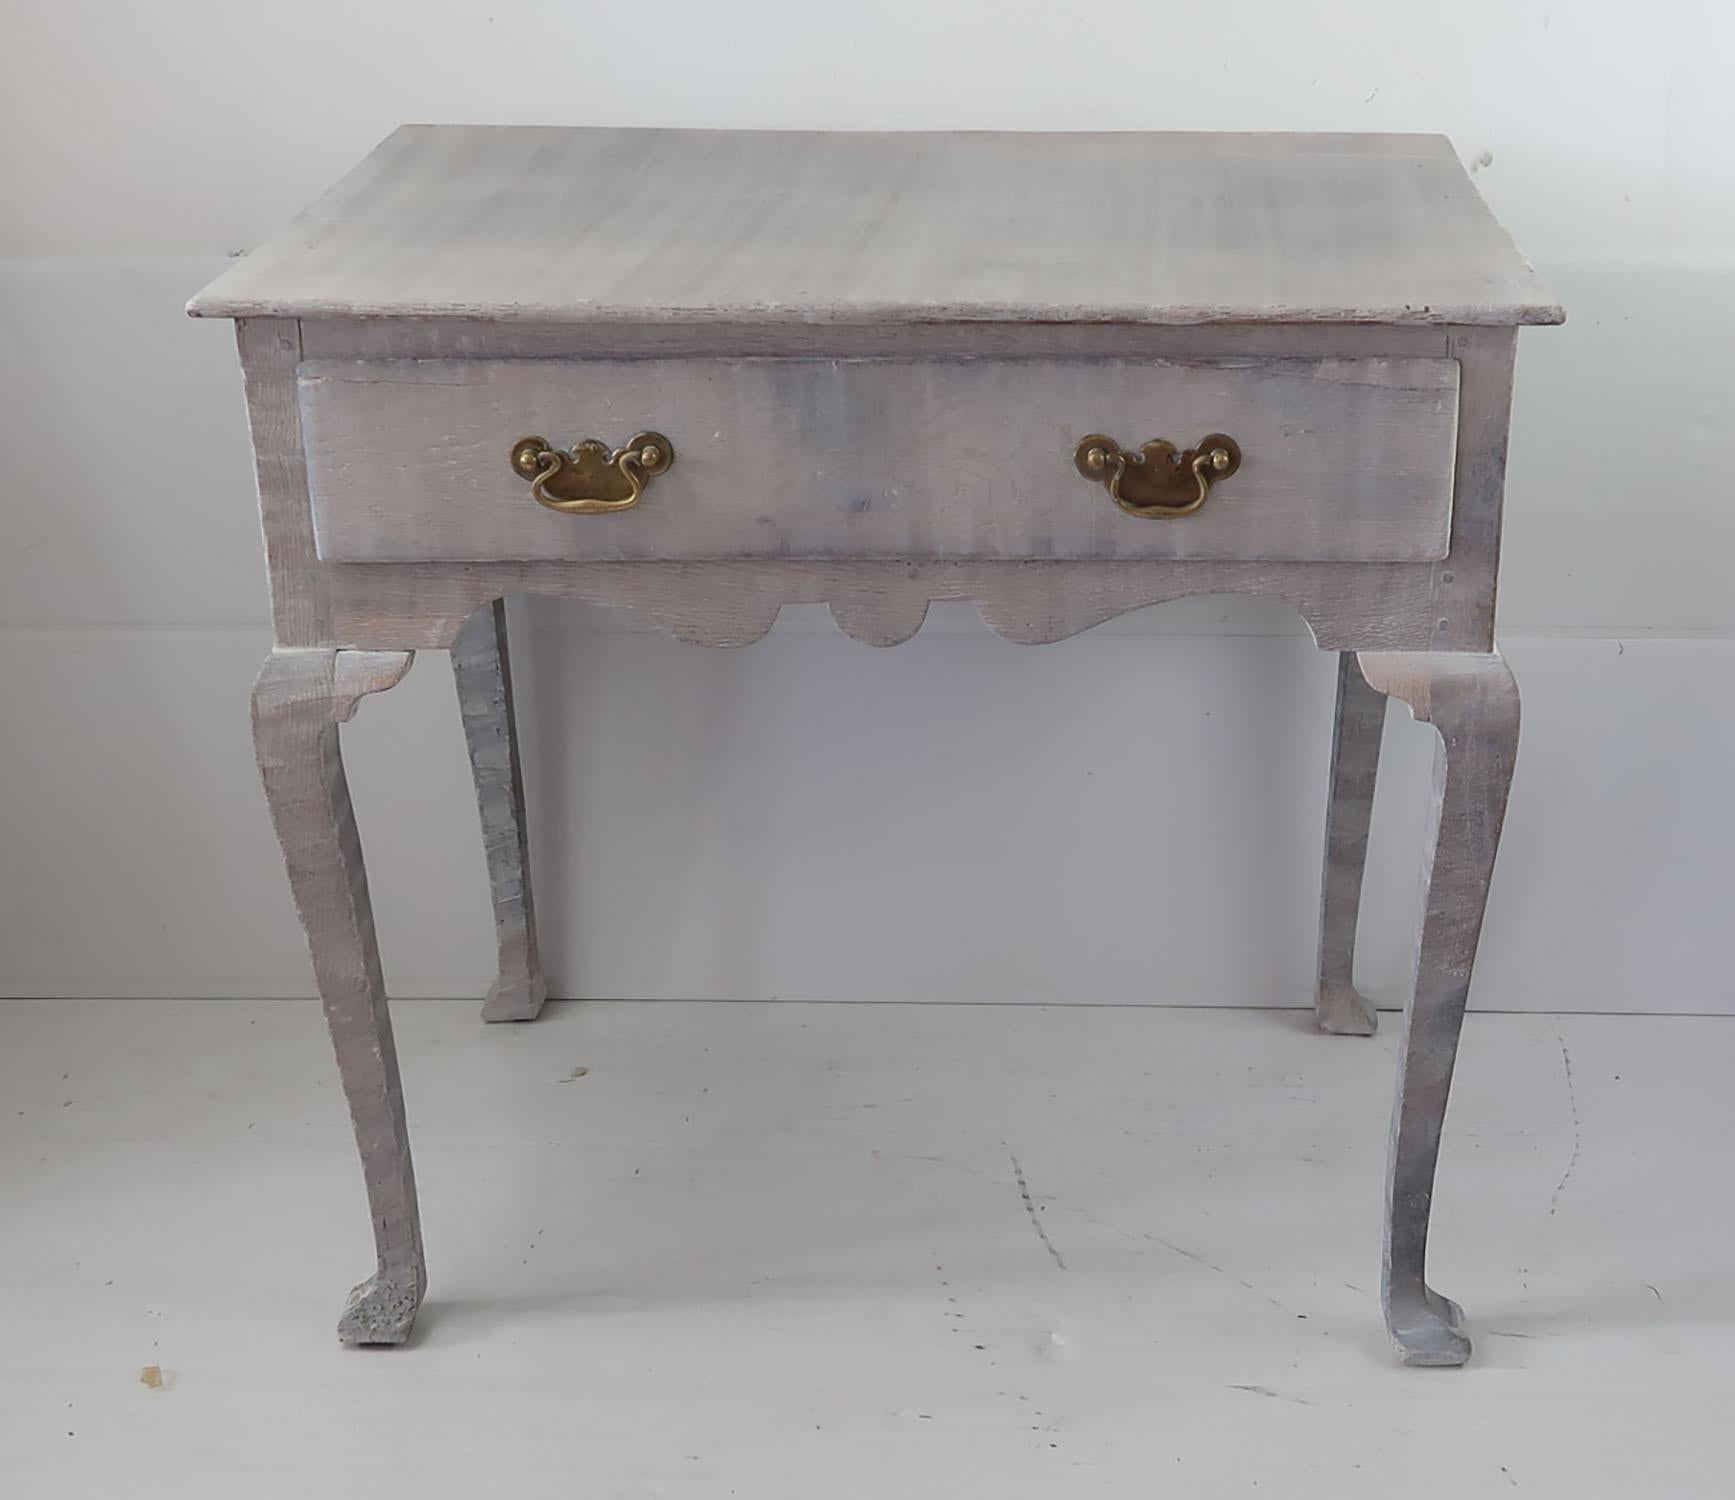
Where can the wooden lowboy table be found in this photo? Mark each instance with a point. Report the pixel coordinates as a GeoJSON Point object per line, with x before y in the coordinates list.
{"type": "Point", "coordinates": [699, 375]}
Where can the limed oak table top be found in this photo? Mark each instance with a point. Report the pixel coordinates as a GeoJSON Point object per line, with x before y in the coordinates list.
{"type": "Point", "coordinates": [556, 224]}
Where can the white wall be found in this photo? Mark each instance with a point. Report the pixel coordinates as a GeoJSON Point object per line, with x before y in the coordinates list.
{"type": "Point", "coordinates": [955, 819]}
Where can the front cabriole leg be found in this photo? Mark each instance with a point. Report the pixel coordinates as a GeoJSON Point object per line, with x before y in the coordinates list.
{"type": "Point", "coordinates": [1472, 702]}
{"type": "Point", "coordinates": [298, 701]}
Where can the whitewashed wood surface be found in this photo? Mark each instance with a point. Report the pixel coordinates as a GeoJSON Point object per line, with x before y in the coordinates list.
{"type": "Point", "coordinates": [784, 1250]}
{"type": "Point", "coordinates": [1342, 459]}
{"type": "Point", "coordinates": [563, 224]}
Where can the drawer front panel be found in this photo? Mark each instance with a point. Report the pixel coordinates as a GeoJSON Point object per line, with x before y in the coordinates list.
{"type": "Point", "coordinates": [1342, 459]}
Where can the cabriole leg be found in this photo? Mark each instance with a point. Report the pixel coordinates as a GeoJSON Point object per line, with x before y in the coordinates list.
{"type": "Point", "coordinates": [1357, 729]}
{"type": "Point", "coordinates": [483, 671]}
{"type": "Point", "coordinates": [298, 701]}
{"type": "Point", "coordinates": [1472, 702]}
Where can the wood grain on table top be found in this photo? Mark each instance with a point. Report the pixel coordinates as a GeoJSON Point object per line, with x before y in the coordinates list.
{"type": "Point", "coordinates": [578, 224]}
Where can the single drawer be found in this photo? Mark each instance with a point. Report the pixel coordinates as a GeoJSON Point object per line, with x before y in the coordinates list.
{"type": "Point", "coordinates": [1340, 459]}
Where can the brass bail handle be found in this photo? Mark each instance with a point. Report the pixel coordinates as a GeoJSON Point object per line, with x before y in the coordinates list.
{"type": "Point", "coordinates": [1158, 481]}
{"type": "Point", "coordinates": [589, 479]}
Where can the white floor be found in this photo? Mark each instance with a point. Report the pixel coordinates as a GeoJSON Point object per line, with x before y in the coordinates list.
{"type": "Point", "coordinates": [837, 1251]}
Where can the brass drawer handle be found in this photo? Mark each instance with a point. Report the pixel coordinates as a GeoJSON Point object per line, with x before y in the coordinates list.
{"type": "Point", "coordinates": [1157, 480]}
{"type": "Point", "coordinates": [589, 480]}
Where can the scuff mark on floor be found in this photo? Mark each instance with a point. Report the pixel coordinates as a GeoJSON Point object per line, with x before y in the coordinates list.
{"type": "Point", "coordinates": [1211, 1265]}
{"type": "Point", "coordinates": [1571, 1104]}
{"type": "Point", "coordinates": [1265, 1390]}
{"type": "Point", "coordinates": [1148, 1238]}
{"type": "Point", "coordinates": [1030, 1210]}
